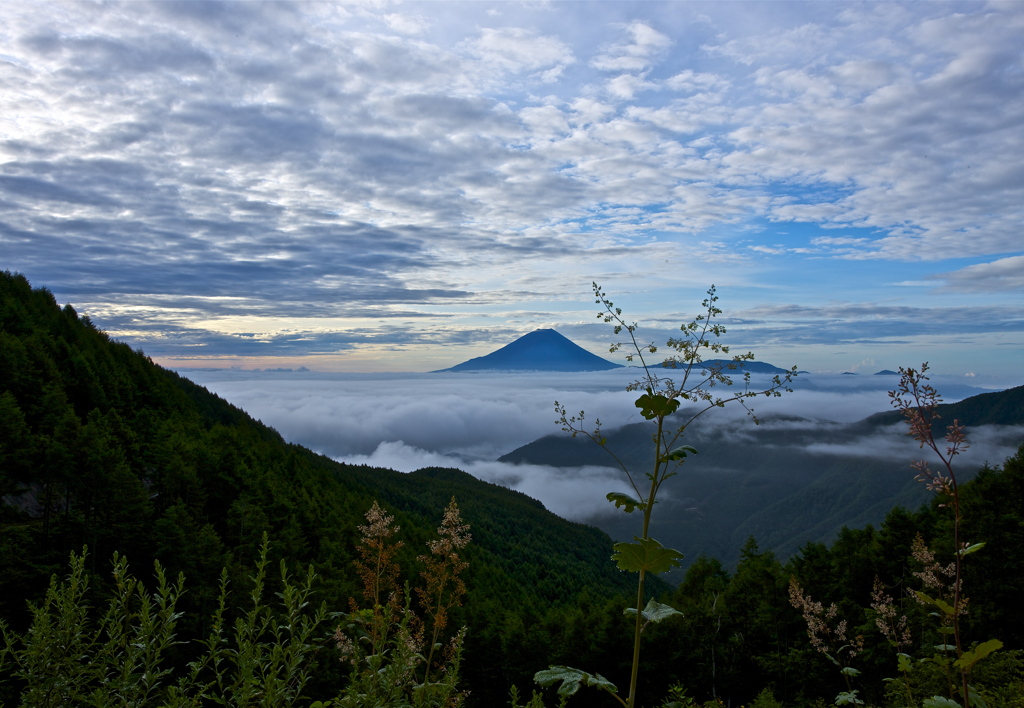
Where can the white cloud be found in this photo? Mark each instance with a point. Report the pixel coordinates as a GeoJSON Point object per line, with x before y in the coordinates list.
{"type": "Point", "coordinates": [634, 55]}
{"type": "Point", "coordinates": [406, 24]}
{"type": "Point", "coordinates": [410, 421]}
{"type": "Point", "coordinates": [400, 170]}
{"type": "Point", "coordinates": [693, 82]}
{"type": "Point", "coordinates": [515, 50]}
{"type": "Point", "coordinates": [1005, 274]}
{"type": "Point", "coordinates": [575, 493]}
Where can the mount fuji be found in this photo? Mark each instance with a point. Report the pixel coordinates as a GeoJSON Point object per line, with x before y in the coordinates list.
{"type": "Point", "coordinates": [540, 350]}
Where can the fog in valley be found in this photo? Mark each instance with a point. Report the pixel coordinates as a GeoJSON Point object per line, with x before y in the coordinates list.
{"type": "Point", "coordinates": [410, 421]}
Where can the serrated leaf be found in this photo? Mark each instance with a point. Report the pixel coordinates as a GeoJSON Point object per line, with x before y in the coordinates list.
{"type": "Point", "coordinates": [623, 499]}
{"type": "Point", "coordinates": [848, 698]}
{"type": "Point", "coordinates": [654, 612]}
{"type": "Point", "coordinates": [572, 679]}
{"type": "Point", "coordinates": [679, 453]}
{"type": "Point", "coordinates": [940, 702]}
{"type": "Point", "coordinates": [976, 700]}
{"type": "Point", "coordinates": [903, 662]}
{"type": "Point", "coordinates": [944, 606]}
{"type": "Point", "coordinates": [972, 657]}
{"type": "Point", "coordinates": [653, 405]}
{"type": "Point", "coordinates": [972, 548]}
{"type": "Point", "coordinates": [647, 555]}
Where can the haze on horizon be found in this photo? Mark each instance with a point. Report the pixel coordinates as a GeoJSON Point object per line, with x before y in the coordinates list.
{"type": "Point", "coordinates": [385, 186]}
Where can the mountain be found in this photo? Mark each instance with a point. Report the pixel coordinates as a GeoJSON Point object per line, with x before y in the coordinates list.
{"type": "Point", "coordinates": [540, 350]}
{"type": "Point", "coordinates": [753, 367]}
{"type": "Point", "coordinates": [786, 482]}
{"type": "Point", "coordinates": [100, 446]}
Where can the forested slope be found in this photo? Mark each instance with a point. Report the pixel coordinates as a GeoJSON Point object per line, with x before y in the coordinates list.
{"type": "Point", "coordinates": [787, 481]}
{"type": "Point", "coordinates": [100, 447]}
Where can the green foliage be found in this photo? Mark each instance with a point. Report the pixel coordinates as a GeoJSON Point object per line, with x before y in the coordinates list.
{"type": "Point", "coordinates": [646, 555]}
{"type": "Point", "coordinates": [383, 642]}
{"type": "Point", "coordinates": [655, 611]}
{"type": "Point", "coordinates": [68, 658]}
{"type": "Point", "coordinates": [765, 699]}
{"type": "Point", "coordinates": [571, 679]}
{"type": "Point", "coordinates": [662, 398]}
{"type": "Point", "coordinates": [99, 446]}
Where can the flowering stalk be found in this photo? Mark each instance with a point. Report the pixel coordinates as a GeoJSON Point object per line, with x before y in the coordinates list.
{"type": "Point", "coordinates": [384, 641]}
{"type": "Point", "coordinates": [894, 628]}
{"type": "Point", "coordinates": [379, 571]}
{"type": "Point", "coordinates": [828, 636]}
{"type": "Point", "coordinates": [444, 589]}
{"type": "Point", "coordinates": [919, 401]}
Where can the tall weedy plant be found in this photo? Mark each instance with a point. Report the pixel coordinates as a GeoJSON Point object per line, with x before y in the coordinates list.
{"type": "Point", "coordinates": [384, 642]}
{"type": "Point", "coordinates": [918, 401]}
{"type": "Point", "coordinates": [682, 377]}
{"type": "Point", "coordinates": [72, 656]}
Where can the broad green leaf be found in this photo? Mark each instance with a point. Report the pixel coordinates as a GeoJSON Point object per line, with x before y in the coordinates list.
{"type": "Point", "coordinates": [848, 698]}
{"type": "Point", "coordinates": [946, 608]}
{"type": "Point", "coordinates": [947, 630]}
{"type": "Point", "coordinates": [679, 453]}
{"type": "Point", "coordinates": [976, 700]}
{"type": "Point", "coordinates": [940, 702]}
{"type": "Point", "coordinates": [646, 554]}
{"type": "Point", "coordinates": [850, 671]}
{"type": "Point", "coordinates": [903, 661]}
{"type": "Point", "coordinates": [655, 611]}
{"type": "Point", "coordinates": [623, 499]}
{"type": "Point", "coordinates": [653, 405]}
{"type": "Point", "coordinates": [972, 548]}
{"type": "Point", "coordinates": [572, 679]}
{"type": "Point", "coordinates": [945, 647]}
{"type": "Point", "coordinates": [972, 657]}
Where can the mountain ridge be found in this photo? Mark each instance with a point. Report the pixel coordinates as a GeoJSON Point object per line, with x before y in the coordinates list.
{"type": "Point", "coordinates": [787, 481]}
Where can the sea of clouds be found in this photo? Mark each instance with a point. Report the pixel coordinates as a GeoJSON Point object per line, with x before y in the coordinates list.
{"type": "Point", "coordinates": [409, 421]}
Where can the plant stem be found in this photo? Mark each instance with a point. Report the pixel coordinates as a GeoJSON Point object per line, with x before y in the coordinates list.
{"type": "Point", "coordinates": [639, 625]}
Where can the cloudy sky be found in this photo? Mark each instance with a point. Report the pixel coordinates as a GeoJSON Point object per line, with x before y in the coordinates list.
{"type": "Point", "coordinates": [401, 186]}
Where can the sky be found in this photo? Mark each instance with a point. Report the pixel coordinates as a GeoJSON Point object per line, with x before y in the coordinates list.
{"type": "Point", "coordinates": [401, 186]}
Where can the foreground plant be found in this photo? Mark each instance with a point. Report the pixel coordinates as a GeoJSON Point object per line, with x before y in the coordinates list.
{"type": "Point", "coordinates": [942, 589]}
{"type": "Point", "coordinates": [68, 658]}
{"type": "Point", "coordinates": [828, 635]}
{"type": "Point", "coordinates": [687, 379]}
{"type": "Point", "coordinates": [384, 642]}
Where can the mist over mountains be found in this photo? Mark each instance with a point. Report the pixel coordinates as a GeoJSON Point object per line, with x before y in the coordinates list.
{"type": "Point", "coordinates": [789, 480]}
{"type": "Point", "coordinates": [825, 455]}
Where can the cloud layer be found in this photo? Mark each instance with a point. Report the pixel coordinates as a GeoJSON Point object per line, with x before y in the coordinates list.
{"type": "Point", "coordinates": [410, 421]}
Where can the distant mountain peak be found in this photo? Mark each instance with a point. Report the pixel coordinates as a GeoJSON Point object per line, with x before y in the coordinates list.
{"type": "Point", "coordinates": [540, 350]}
